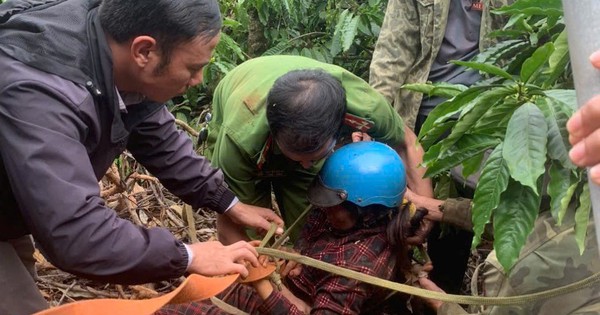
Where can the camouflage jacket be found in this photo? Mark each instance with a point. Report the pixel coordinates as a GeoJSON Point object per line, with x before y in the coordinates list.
{"type": "Point", "coordinates": [410, 38]}
{"type": "Point", "coordinates": [550, 259]}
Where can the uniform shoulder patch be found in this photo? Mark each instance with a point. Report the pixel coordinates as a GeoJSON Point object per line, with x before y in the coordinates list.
{"type": "Point", "coordinates": [358, 123]}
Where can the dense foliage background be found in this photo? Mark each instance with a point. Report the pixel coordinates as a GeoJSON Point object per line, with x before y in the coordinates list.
{"type": "Point", "coordinates": [518, 116]}
{"type": "Point", "coordinates": [342, 32]}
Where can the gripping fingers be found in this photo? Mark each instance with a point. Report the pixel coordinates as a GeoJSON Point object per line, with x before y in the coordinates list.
{"type": "Point", "coordinates": [584, 153]}
{"type": "Point", "coordinates": [244, 251]}
{"type": "Point", "coordinates": [585, 120]}
{"type": "Point", "coordinates": [239, 268]}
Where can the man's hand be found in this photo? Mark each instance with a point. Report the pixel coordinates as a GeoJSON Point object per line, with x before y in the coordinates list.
{"type": "Point", "coordinates": [427, 284]}
{"type": "Point", "coordinates": [584, 132]}
{"type": "Point", "coordinates": [432, 205]}
{"type": "Point", "coordinates": [419, 228]}
{"type": "Point", "coordinates": [290, 267]}
{"type": "Point", "coordinates": [358, 136]}
{"type": "Point", "coordinates": [215, 259]}
{"type": "Point", "coordinates": [255, 217]}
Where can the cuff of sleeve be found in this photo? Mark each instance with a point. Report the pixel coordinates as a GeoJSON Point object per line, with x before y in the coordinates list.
{"type": "Point", "coordinates": [187, 256]}
{"type": "Point", "coordinates": [458, 213]}
{"type": "Point", "coordinates": [226, 200]}
{"type": "Point", "coordinates": [190, 256]}
{"type": "Point", "coordinates": [233, 202]}
{"type": "Point", "coordinates": [269, 305]}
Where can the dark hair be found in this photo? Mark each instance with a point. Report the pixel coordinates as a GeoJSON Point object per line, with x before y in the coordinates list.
{"type": "Point", "coordinates": [170, 22]}
{"type": "Point", "coordinates": [399, 227]}
{"type": "Point", "coordinates": [305, 109]}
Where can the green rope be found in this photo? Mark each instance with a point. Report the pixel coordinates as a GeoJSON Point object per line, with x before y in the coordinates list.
{"type": "Point", "coordinates": [287, 232]}
{"type": "Point", "coordinates": [460, 299]}
{"type": "Point", "coordinates": [269, 235]}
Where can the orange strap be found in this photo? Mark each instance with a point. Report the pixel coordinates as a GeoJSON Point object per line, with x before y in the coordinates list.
{"type": "Point", "coordinates": [195, 287]}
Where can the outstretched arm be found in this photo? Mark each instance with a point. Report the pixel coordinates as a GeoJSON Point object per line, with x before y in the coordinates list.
{"type": "Point", "coordinates": [412, 155]}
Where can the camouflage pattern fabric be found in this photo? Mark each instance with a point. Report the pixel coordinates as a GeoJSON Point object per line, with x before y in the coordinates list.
{"type": "Point", "coordinates": [550, 259]}
{"type": "Point", "coordinates": [410, 38]}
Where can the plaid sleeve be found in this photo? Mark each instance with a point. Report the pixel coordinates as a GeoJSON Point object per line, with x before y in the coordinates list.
{"type": "Point", "coordinates": [276, 304]}
{"type": "Point", "coordinates": [340, 295]}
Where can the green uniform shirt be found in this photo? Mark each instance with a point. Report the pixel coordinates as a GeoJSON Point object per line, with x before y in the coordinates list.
{"type": "Point", "coordinates": [238, 134]}
{"type": "Point", "coordinates": [409, 40]}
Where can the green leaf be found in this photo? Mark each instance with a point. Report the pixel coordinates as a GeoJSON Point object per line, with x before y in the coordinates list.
{"type": "Point", "coordinates": [472, 165]}
{"type": "Point", "coordinates": [441, 89]}
{"type": "Point", "coordinates": [336, 40]}
{"type": "Point", "coordinates": [495, 120]}
{"type": "Point", "coordinates": [558, 187]}
{"type": "Point", "coordinates": [493, 181]}
{"type": "Point", "coordinates": [433, 135]}
{"type": "Point", "coordinates": [228, 22]}
{"type": "Point", "coordinates": [516, 62]}
{"type": "Point", "coordinates": [525, 145]}
{"type": "Point", "coordinates": [533, 7]}
{"type": "Point", "coordinates": [534, 64]}
{"type": "Point", "coordinates": [582, 218]}
{"type": "Point", "coordinates": [306, 52]}
{"type": "Point", "coordinates": [223, 67]}
{"type": "Point", "coordinates": [349, 32]}
{"type": "Point", "coordinates": [484, 67]}
{"type": "Point", "coordinates": [513, 222]}
{"type": "Point", "coordinates": [277, 49]}
{"type": "Point", "coordinates": [559, 59]}
{"type": "Point", "coordinates": [473, 112]}
{"type": "Point", "coordinates": [567, 99]}
{"type": "Point", "coordinates": [561, 49]}
{"type": "Point", "coordinates": [449, 108]}
{"type": "Point", "coordinates": [492, 54]}
{"type": "Point", "coordinates": [514, 22]}
{"type": "Point", "coordinates": [327, 54]}
{"type": "Point", "coordinates": [230, 44]}
{"type": "Point", "coordinates": [515, 34]}
{"type": "Point", "coordinates": [318, 54]}
{"type": "Point", "coordinates": [465, 148]}
{"type": "Point", "coordinates": [534, 39]}
{"type": "Point", "coordinates": [564, 202]}
{"type": "Point", "coordinates": [558, 140]}
{"type": "Point", "coordinates": [288, 8]}
{"type": "Point", "coordinates": [444, 187]}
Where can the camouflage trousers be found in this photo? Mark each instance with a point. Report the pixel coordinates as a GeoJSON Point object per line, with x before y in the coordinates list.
{"type": "Point", "coordinates": [550, 259]}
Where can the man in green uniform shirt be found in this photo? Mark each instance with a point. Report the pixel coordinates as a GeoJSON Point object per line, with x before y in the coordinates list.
{"type": "Point", "coordinates": [275, 119]}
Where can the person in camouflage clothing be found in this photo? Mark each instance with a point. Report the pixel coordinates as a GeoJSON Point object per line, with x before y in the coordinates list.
{"type": "Point", "coordinates": [549, 259]}
{"type": "Point", "coordinates": [416, 43]}
{"type": "Point", "coordinates": [418, 38]}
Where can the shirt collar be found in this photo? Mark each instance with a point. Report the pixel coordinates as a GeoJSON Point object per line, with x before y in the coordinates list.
{"type": "Point", "coordinates": [125, 99]}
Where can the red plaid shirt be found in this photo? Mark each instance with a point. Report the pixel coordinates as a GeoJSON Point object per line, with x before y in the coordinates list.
{"type": "Point", "coordinates": [364, 250]}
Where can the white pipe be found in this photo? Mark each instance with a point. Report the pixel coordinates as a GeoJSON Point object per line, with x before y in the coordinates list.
{"type": "Point", "coordinates": [582, 18]}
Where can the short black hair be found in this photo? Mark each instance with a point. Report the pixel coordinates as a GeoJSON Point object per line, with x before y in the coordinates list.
{"type": "Point", "coordinates": [305, 109]}
{"type": "Point", "coordinates": [170, 22]}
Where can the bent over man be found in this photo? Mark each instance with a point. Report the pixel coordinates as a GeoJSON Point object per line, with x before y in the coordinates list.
{"type": "Point", "coordinates": [275, 119]}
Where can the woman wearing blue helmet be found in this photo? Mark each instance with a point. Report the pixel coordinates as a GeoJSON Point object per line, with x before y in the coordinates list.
{"type": "Point", "coordinates": [360, 223]}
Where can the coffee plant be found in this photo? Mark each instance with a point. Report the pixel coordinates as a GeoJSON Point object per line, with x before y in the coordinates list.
{"type": "Point", "coordinates": [517, 116]}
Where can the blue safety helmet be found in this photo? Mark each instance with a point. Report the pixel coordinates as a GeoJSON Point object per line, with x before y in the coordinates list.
{"type": "Point", "coordinates": [364, 173]}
